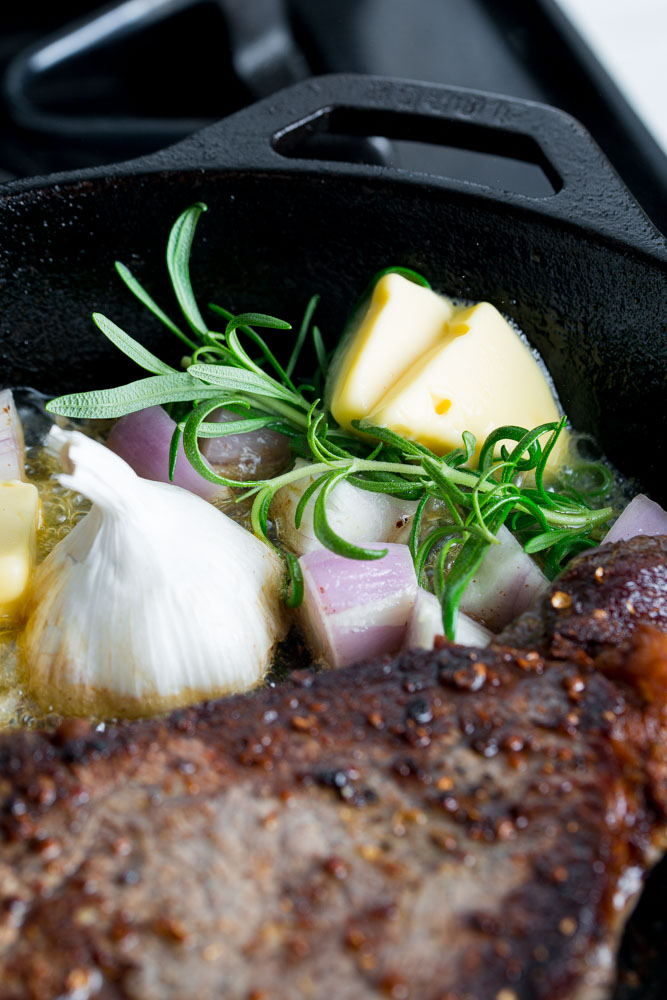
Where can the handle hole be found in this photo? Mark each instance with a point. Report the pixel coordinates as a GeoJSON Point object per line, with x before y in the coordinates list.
{"type": "Point", "coordinates": [458, 150]}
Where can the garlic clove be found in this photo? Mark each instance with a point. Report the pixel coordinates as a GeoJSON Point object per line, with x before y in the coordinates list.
{"type": "Point", "coordinates": [155, 598]}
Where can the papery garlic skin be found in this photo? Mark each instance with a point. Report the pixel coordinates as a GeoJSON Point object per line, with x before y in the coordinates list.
{"type": "Point", "coordinates": [154, 599]}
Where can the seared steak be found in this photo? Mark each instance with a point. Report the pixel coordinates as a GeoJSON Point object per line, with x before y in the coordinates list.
{"type": "Point", "coordinates": [596, 606]}
{"type": "Point", "coordinates": [452, 825]}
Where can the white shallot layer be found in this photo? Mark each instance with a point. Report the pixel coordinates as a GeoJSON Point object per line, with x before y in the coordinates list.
{"type": "Point", "coordinates": [154, 599]}
{"type": "Point", "coordinates": [506, 584]}
{"type": "Point", "coordinates": [425, 625]}
{"type": "Point", "coordinates": [356, 515]}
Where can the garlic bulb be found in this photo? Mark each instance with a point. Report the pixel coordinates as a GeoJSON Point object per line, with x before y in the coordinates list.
{"type": "Point", "coordinates": [154, 599]}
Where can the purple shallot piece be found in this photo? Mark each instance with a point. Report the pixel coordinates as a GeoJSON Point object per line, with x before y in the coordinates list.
{"type": "Point", "coordinates": [354, 609]}
{"type": "Point", "coordinates": [641, 517]}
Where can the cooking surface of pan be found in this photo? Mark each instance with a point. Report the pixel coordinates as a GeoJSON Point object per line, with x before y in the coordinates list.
{"type": "Point", "coordinates": [580, 268]}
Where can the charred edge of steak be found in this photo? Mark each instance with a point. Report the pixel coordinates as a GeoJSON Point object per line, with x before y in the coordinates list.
{"type": "Point", "coordinates": [598, 602]}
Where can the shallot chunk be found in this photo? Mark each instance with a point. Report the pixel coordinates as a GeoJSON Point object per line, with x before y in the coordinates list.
{"type": "Point", "coordinates": [505, 585]}
{"type": "Point", "coordinates": [641, 517]}
{"type": "Point", "coordinates": [12, 452]}
{"type": "Point", "coordinates": [354, 608]}
{"type": "Point", "coordinates": [258, 454]}
{"type": "Point", "coordinates": [426, 624]}
{"type": "Point", "coordinates": [142, 439]}
{"type": "Point", "coordinates": [356, 515]}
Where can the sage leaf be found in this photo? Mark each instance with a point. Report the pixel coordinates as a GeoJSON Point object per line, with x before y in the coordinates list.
{"type": "Point", "coordinates": [108, 403]}
{"type": "Point", "coordinates": [179, 247]}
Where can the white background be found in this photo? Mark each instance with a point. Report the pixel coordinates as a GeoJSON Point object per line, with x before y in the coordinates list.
{"type": "Point", "coordinates": [629, 38]}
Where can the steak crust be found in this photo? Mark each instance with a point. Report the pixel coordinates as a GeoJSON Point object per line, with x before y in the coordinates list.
{"type": "Point", "coordinates": [452, 825]}
{"type": "Point", "coordinates": [599, 602]}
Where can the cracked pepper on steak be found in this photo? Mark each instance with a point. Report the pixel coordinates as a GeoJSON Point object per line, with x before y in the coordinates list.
{"type": "Point", "coordinates": [443, 825]}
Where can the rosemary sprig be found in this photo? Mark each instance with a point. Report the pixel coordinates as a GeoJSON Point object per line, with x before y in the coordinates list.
{"type": "Point", "coordinates": [262, 392]}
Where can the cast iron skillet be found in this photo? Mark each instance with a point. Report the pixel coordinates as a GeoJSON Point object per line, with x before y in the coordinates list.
{"type": "Point", "coordinates": [581, 269]}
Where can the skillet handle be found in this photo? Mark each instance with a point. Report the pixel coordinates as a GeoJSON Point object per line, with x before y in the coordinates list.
{"type": "Point", "coordinates": [587, 192]}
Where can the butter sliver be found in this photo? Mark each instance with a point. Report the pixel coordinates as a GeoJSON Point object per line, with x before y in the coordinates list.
{"type": "Point", "coordinates": [480, 378]}
{"type": "Point", "coordinates": [19, 514]}
{"type": "Point", "coordinates": [400, 323]}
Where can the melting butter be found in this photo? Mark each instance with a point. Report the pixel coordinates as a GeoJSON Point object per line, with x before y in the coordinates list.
{"type": "Point", "coordinates": [429, 370]}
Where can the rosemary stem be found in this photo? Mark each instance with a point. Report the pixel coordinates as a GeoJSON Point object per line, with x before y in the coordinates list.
{"type": "Point", "coordinates": [275, 406]}
{"type": "Point", "coordinates": [457, 476]}
{"type": "Point", "coordinates": [462, 478]}
{"type": "Point", "coordinates": [573, 521]}
{"type": "Point", "coordinates": [300, 473]}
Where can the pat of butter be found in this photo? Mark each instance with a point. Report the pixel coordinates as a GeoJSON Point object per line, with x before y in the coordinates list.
{"type": "Point", "coordinates": [401, 322]}
{"type": "Point", "coordinates": [477, 378]}
{"type": "Point", "coordinates": [19, 516]}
